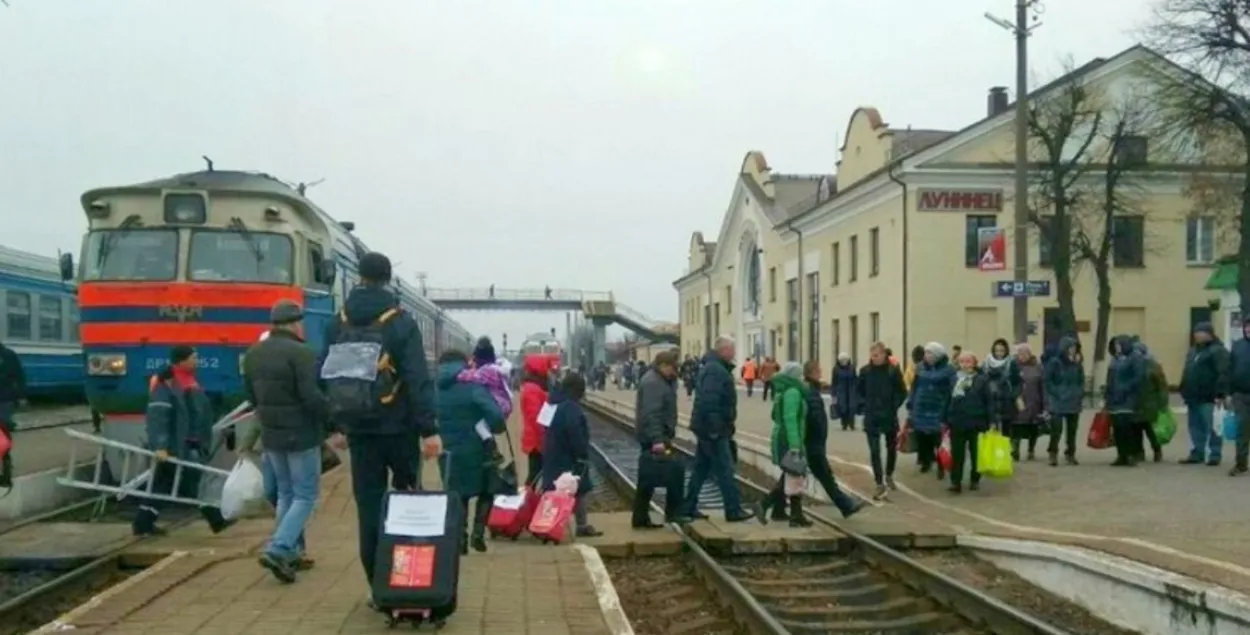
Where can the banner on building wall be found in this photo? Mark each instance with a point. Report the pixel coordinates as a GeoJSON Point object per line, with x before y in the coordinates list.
{"type": "Point", "coordinates": [992, 245]}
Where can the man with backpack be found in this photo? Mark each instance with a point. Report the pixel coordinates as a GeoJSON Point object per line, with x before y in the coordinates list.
{"type": "Point", "coordinates": [380, 393]}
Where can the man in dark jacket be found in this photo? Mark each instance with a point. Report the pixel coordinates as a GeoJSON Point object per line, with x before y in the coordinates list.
{"type": "Point", "coordinates": [387, 442]}
{"type": "Point", "coordinates": [815, 449]}
{"type": "Point", "coordinates": [12, 390]}
{"type": "Point", "coordinates": [712, 421]}
{"type": "Point", "coordinates": [881, 391]}
{"type": "Point", "coordinates": [1204, 384]}
{"type": "Point", "coordinates": [1126, 379]}
{"type": "Point", "coordinates": [1239, 386]}
{"type": "Point", "coordinates": [1063, 382]}
{"type": "Point", "coordinates": [280, 379]}
{"type": "Point", "coordinates": [658, 463]}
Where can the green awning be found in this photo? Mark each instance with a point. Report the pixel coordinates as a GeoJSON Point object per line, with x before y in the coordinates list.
{"type": "Point", "coordinates": [1223, 278]}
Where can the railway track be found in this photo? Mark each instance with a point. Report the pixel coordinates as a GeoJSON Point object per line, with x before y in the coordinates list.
{"type": "Point", "coordinates": [871, 589]}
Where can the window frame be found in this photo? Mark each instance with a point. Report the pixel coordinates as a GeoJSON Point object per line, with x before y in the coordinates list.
{"type": "Point", "coordinates": [87, 241]}
{"type": "Point", "coordinates": [1139, 261]}
{"type": "Point", "coordinates": [972, 242]}
{"type": "Point", "coordinates": [853, 274]}
{"type": "Point", "coordinates": [60, 318]}
{"type": "Point", "coordinates": [9, 313]}
{"type": "Point", "coordinates": [1201, 227]}
{"type": "Point", "coordinates": [874, 252]}
{"type": "Point", "coordinates": [835, 256]}
{"type": "Point", "coordinates": [204, 231]}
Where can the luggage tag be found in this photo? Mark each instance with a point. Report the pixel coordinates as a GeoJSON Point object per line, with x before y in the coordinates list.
{"type": "Point", "coordinates": [546, 414]}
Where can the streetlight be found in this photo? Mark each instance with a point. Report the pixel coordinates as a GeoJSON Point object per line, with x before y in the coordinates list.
{"type": "Point", "coordinates": [1020, 247]}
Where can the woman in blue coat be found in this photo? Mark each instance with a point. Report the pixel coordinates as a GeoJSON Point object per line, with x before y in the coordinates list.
{"type": "Point", "coordinates": [566, 447]}
{"type": "Point", "coordinates": [468, 420]}
{"type": "Point", "coordinates": [842, 389]}
{"type": "Point", "coordinates": [927, 405]}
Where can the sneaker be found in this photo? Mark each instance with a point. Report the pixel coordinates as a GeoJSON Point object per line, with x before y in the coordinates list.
{"type": "Point", "coordinates": [588, 531]}
{"type": "Point", "coordinates": [1070, 460]}
{"type": "Point", "coordinates": [889, 482]}
{"type": "Point", "coordinates": [955, 489]}
{"type": "Point", "coordinates": [304, 563]}
{"type": "Point", "coordinates": [1237, 470]}
{"type": "Point", "coordinates": [855, 509]}
{"type": "Point", "coordinates": [1213, 462]}
{"type": "Point", "coordinates": [974, 486]}
{"type": "Point", "coordinates": [1189, 460]}
{"type": "Point", "coordinates": [881, 493]}
{"type": "Point", "coordinates": [1158, 456]}
{"type": "Point", "coordinates": [800, 521]}
{"type": "Point", "coordinates": [281, 569]}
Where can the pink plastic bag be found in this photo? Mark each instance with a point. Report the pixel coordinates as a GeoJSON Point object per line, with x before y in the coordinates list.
{"type": "Point", "coordinates": [6, 443]}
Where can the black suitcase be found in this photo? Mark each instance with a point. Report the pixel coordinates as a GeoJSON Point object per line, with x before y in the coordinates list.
{"type": "Point", "coordinates": [416, 577]}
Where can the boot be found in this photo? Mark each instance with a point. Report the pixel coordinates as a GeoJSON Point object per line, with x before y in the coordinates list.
{"type": "Point", "coordinates": [1054, 459]}
{"type": "Point", "coordinates": [478, 541]}
{"type": "Point", "coordinates": [216, 522]}
{"type": "Point", "coordinates": [144, 523]}
{"type": "Point", "coordinates": [6, 471]}
{"type": "Point", "coordinates": [797, 519]}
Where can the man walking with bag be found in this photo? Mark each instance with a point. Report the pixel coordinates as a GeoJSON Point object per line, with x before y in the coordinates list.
{"type": "Point", "coordinates": [659, 465]}
{"type": "Point", "coordinates": [280, 379]}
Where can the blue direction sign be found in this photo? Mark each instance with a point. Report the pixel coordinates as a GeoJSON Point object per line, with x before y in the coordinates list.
{"type": "Point", "coordinates": [1012, 289]}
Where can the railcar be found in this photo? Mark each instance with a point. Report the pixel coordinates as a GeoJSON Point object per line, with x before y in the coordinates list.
{"type": "Point", "coordinates": [41, 325]}
{"type": "Point", "coordinates": [199, 259]}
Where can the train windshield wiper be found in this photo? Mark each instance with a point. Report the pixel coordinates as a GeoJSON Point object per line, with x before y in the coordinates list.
{"type": "Point", "coordinates": [110, 238]}
{"type": "Point", "coordinates": [236, 225]}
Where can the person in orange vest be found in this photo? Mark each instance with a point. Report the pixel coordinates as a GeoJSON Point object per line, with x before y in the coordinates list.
{"type": "Point", "coordinates": [748, 375]}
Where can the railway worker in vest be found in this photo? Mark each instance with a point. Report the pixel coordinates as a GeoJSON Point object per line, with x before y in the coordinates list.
{"type": "Point", "coordinates": [385, 403]}
{"type": "Point", "coordinates": [179, 424]}
{"type": "Point", "coordinates": [280, 379]}
{"type": "Point", "coordinates": [712, 421]}
{"type": "Point", "coordinates": [12, 390]}
{"type": "Point", "coordinates": [659, 465]}
{"type": "Point", "coordinates": [567, 447]}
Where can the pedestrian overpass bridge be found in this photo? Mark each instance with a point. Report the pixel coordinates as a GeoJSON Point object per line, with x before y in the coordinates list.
{"type": "Point", "coordinates": [600, 307]}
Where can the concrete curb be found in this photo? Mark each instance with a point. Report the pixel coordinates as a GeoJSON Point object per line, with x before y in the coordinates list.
{"type": "Point", "coordinates": [66, 621]}
{"type": "Point", "coordinates": [39, 492]}
{"type": "Point", "coordinates": [1128, 593]}
{"type": "Point", "coordinates": [609, 602]}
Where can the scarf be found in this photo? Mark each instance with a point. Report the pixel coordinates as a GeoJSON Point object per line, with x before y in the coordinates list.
{"type": "Point", "coordinates": [185, 379]}
{"type": "Point", "coordinates": [963, 381]}
{"type": "Point", "coordinates": [994, 363]}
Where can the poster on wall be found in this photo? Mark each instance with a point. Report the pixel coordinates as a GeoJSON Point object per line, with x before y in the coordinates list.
{"type": "Point", "coordinates": [992, 245]}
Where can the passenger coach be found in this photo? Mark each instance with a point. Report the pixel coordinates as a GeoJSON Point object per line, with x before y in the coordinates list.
{"type": "Point", "coordinates": [200, 259]}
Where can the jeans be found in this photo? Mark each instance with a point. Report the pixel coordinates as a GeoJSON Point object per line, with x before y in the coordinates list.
{"type": "Point", "coordinates": [820, 469]}
{"type": "Point", "coordinates": [298, 476]}
{"type": "Point", "coordinates": [1063, 426]}
{"type": "Point", "coordinates": [271, 495]}
{"type": "Point", "coordinates": [1204, 438]}
{"type": "Point", "coordinates": [876, 436]}
{"type": "Point", "coordinates": [713, 458]}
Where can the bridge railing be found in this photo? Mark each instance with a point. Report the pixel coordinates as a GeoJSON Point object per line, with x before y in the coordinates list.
{"type": "Point", "coordinates": [485, 294]}
{"type": "Point", "coordinates": [635, 316]}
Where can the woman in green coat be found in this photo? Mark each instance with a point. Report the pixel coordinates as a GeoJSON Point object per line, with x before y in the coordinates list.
{"type": "Point", "coordinates": [468, 420]}
{"type": "Point", "coordinates": [789, 429]}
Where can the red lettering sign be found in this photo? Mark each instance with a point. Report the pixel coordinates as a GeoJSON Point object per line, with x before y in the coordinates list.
{"type": "Point", "coordinates": [412, 566]}
{"type": "Point", "coordinates": [959, 200]}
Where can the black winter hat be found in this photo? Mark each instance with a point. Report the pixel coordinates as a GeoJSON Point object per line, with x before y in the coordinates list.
{"type": "Point", "coordinates": [375, 267]}
{"type": "Point", "coordinates": [180, 353]}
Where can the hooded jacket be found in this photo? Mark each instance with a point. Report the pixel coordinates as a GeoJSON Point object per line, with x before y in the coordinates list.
{"type": "Point", "coordinates": [1205, 377]}
{"type": "Point", "coordinates": [533, 397]}
{"type": "Point", "coordinates": [789, 416]}
{"type": "Point", "coordinates": [931, 395]}
{"type": "Point", "coordinates": [1154, 392]}
{"type": "Point", "coordinates": [460, 406]}
{"type": "Point", "coordinates": [715, 399]}
{"type": "Point", "coordinates": [1126, 377]}
{"type": "Point", "coordinates": [880, 392]}
{"type": "Point", "coordinates": [842, 389]}
{"type": "Point", "coordinates": [413, 409]}
{"type": "Point", "coordinates": [567, 446]}
{"type": "Point", "coordinates": [656, 408]}
{"type": "Point", "coordinates": [1063, 381]}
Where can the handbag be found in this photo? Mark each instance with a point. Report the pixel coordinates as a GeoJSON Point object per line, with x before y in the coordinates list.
{"type": "Point", "coordinates": [794, 463]}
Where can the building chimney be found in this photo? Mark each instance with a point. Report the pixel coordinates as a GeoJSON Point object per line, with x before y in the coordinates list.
{"type": "Point", "coordinates": [997, 101]}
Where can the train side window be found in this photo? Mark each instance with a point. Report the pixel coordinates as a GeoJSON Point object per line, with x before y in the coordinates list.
{"type": "Point", "coordinates": [317, 259]}
{"type": "Point", "coordinates": [73, 320]}
{"type": "Point", "coordinates": [17, 314]}
{"type": "Point", "coordinates": [50, 322]}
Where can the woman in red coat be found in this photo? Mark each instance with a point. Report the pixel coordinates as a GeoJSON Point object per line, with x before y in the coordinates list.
{"type": "Point", "coordinates": [535, 370]}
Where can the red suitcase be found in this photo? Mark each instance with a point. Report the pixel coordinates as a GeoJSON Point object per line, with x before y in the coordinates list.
{"type": "Point", "coordinates": [511, 515]}
{"type": "Point", "coordinates": [551, 519]}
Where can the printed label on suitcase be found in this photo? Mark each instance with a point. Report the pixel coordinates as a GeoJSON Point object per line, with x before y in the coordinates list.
{"type": "Point", "coordinates": [412, 566]}
{"type": "Point", "coordinates": [416, 516]}
{"type": "Point", "coordinates": [510, 502]}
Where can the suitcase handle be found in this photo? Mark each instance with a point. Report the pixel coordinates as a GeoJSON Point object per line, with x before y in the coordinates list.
{"type": "Point", "coordinates": [445, 457]}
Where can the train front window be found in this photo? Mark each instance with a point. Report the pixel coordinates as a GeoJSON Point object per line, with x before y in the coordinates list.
{"type": "Point", "coordinates": [131, 254]}
{"type": "Point", "coordinates": [240, 256]}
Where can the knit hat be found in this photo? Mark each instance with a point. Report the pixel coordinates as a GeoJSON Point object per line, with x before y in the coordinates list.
{"type": "Point", "coordinates": [180, 353]}
{"type": "Point", "coordinates": [1204, 327]}
{"type": "Point", "coordinates": [936, 349]}
{"type": "Point", "coordinates": [286, 312]}
{"type": "Point", "coordinates": [484, 352]}
{"type": "Point", "coordinates": [375, 267]}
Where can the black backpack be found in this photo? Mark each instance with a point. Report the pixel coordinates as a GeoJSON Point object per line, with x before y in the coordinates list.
{"type": "Point", "coordinates": [359, 374]}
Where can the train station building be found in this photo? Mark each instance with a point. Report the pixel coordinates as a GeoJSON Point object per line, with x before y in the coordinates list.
{"type": "Point", "coordinates": [908, 241]}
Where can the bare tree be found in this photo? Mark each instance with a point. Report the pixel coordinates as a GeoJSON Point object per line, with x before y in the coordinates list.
{"type": "Point", "coordinates": [1208, 108]}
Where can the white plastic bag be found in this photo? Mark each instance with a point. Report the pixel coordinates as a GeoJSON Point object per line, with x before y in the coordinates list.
{"type": "Point", "coordinates": [244, 485]}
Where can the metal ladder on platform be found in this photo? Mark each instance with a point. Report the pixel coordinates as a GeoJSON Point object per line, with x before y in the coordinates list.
{"type": "Point", "coordinates": [143, 460]}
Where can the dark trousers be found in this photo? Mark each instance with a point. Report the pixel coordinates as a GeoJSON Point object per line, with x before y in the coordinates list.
{"type": "Point", "coordinates": [163, 483]}
{"type": "Point", "coordinates": [481, 508]}
{"type": "Point", "coordinates": [879, 436]}
{"type": "Point", "coordinates": [655, 474]}
{"type": "Point", "coordinates": [1064, 426]}
{"type": "Point", "coordinates": [776, 500]}
{"type": "Point", "coordinates": [926, 447]}
{"type": "Point", "coordinates": [1024, 432]}
{"type": "Point", "coordinates": [848, 422]}
{"type": "Point", "coordinates": [768, 389]}
{"type": "Point", "coordinates": [374, 458]}
{"type": "Point", "coordinates": [534, 467]}
{"type": "Point", "coordinates": [964, 451]}
{"type": "Point", "coordinates": [1145, 429]}
{"type": "Point", "coordinates": [750, 387]}
{"type": "Point", "coordinates": [818, 463]}
{"type": "Point", "coordinates": [1127, 436]}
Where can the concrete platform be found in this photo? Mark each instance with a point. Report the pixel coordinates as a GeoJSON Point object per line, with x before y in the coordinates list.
{"type": "Point", "coordinates": [725, 538]}
{"type": "Point", "coordinates": [62, 540]}
{"type": "Point", "coordinates": [620, 540]}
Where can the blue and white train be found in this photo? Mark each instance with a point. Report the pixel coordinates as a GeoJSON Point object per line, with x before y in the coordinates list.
{"type": "Point", "coordinates": [41, 325]}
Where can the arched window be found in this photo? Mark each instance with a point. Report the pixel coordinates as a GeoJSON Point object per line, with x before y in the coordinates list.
{"type": "Point", "coordinates": [751, 299]}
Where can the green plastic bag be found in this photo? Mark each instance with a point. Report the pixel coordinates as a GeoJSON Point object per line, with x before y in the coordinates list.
{"type": "Point", "coordinates": [1165, 426]}
{"type": "Point", "coordinates": [994, 455]}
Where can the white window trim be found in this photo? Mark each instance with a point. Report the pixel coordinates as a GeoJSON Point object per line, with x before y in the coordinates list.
{"type": "Point", "coordinates": [1198, 222]}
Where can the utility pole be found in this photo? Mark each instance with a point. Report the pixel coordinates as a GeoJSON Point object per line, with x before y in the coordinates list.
{"type": "Point", "coordinates": [1021, 29]}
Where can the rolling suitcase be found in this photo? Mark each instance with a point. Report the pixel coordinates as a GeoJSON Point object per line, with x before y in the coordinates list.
{"type": "Point", "coordinates": [417, 570]}
{"type": "Point", "coordinates": [511, 515]}
{"type": "Point", "coordinates": [553, 517]}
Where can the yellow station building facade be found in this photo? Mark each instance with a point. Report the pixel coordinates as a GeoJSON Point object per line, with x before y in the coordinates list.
{"type": "Point", "coordinates": [889, 246]}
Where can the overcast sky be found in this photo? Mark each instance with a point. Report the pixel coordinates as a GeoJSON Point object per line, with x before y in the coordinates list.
{"type": "Point", "coordinates": [573, 143]}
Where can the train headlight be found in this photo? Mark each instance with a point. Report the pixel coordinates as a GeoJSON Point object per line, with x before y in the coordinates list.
{"type": "Point", "coordinates": [106, 364]}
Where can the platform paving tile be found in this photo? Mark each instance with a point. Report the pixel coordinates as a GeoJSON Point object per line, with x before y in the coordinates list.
{"type": "Point", "coordinates": [212, 585]}
{"type": "Point", "coordinates": [1168, 515]}
{"type": "Point", "coordinates": [621, 540]}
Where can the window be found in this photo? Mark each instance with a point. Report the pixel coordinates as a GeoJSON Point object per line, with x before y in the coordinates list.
{"type": "Point", "coordinates": [729, 299]}
{"type": "Point", "coordinates": [813, 317]}
{"type": "Point", "coordinates": [131, 254]}
{"type": "Point", "coordinates": [854, 352]}
{"type": "Point", "coordinates": [854, 273]}
{"type": "Point", "coordinates": [835, 327]}
{"type": "Point", "coordinates": [874, 326]}
{"type": "Point", "coordinates": [185, 208]}
{"type": "Point", "coordinates": [874, 251]}
{"type": "Point", "coordinates": [1128, 244]}
{"type": "Point", "coordinates": [1132, 151]}
{"type": "Point", "coordinates": [1200, 240]}
{"type": "Point", "coordinates": [716, 318]}
{"type": "Point", "coordinates": [50, 322]}
{"type": "Point", "coordinates": [236, 256]}
{"type": "Point", "coordinates": [835, 257]}
{"type": "Point", "coordinates": [973, 223]}
{"type": "Point", "coordinates": [317, 258]}
{"type": "Point", "coordinates": [73, 320]}
{"type": "Point", "coordinates": [792, 319]}
{"type": "Point", "coordinates": [17, 310]}
{"type": "Point", "coordinates": [772, 284]}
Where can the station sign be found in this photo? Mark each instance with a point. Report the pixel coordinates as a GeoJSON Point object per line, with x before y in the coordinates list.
{"type": "Point", "coordinates": [1013, 289]}
{"type": "Point", "coordinates": [960, 200]}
